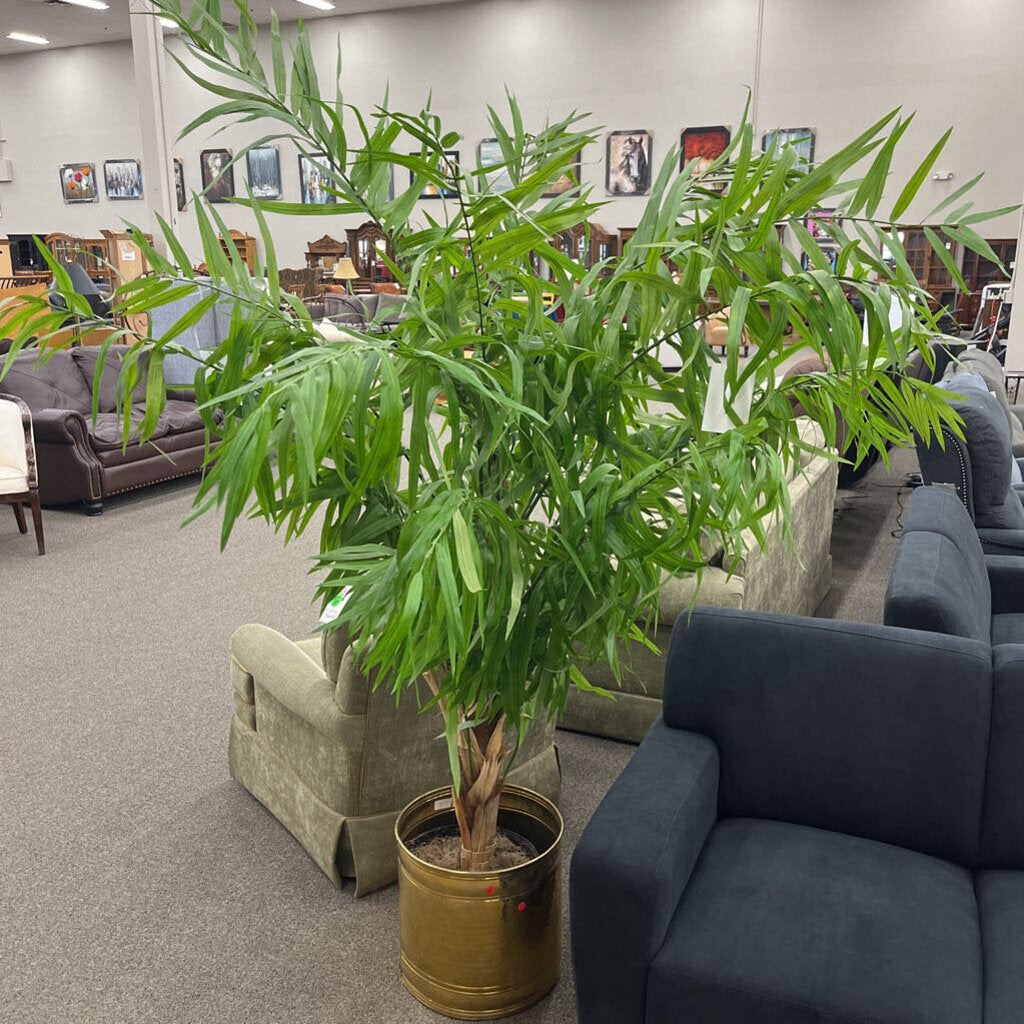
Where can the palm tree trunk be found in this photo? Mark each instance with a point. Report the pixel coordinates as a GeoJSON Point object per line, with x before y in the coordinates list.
{"type": "Point", "coordinates": [482, 760]}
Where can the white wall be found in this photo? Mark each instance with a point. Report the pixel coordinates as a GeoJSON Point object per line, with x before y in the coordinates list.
{"type": "Point", "coordinates": [654, 64]}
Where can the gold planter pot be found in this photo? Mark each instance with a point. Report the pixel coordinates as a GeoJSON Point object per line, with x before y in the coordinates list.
{"type": "Point", "coordinates": [480, 945]}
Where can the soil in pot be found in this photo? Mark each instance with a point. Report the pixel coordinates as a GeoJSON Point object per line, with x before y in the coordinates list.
{"type": "Point", "coordinates": [441, 847]}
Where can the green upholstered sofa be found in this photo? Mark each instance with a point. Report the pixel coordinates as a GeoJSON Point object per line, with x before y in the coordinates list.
{"type": "Point", "coordinates": [788, 576]}
{"type": "Point", "coordinates": [335, 760]}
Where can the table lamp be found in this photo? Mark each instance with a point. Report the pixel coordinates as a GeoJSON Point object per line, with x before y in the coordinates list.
{"type": "Point", "coordinates": [345, 270]}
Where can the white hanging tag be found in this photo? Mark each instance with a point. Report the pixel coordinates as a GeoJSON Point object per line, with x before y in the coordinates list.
{"type": "Point", "coordinates": [716, 419]}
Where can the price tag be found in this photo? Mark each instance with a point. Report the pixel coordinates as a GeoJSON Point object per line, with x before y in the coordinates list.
{"type": "Point", "coordinates": [335, 606]}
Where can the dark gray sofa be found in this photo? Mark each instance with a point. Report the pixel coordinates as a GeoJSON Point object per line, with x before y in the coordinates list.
{"type": "Point", "coordinates": [979, 467]}
{"type": "Point", "coordinates": [826, 826]}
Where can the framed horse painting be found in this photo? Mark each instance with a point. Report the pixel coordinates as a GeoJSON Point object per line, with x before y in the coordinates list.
{"type": "Point", "coordinates": [628, 170]}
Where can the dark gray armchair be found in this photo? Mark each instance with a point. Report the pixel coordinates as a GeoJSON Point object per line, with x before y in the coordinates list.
{"type": "Point", "coordinates": [980, 467]}
{"type": "Point", "coordinates": [943, 582]}
{"type": "Point", "coordinates": [825, 827]}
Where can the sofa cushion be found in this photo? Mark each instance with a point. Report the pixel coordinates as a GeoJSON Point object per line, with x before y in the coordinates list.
{"type": "Point", "coordinates": [177, 417]}
{"type": "Point", "coordinates": [934, 587]}
{"type": "Point", "coordinates": [1001, 910]}
{"type": "Point", "coordinates": [106, 432]}
{"type": "Point", "coordinates": [1002, 832]}
{"type": "Point", "coordinates": [938, 509]}
{"type": "Point", "coordinates": [782, 924]}
{"type": "Point", "coordinates": [56, 383]}
{"type": "Point", "coordinates": [87, 358]}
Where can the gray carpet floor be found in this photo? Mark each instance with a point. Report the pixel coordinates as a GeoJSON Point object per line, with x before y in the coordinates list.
{"type": "Point", "coordinates": [138, 883]}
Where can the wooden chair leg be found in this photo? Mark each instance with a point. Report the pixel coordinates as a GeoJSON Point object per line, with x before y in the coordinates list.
{"type": "Point", "coordinates": [19, 514]}
{"type": "Point", "coordinates": [37, 520]}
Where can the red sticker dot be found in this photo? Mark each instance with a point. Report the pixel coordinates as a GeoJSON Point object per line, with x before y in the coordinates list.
{"type": "Point", "coordinates": [490, 890]}
{"type": "Point", "coordinates": [520, 906]}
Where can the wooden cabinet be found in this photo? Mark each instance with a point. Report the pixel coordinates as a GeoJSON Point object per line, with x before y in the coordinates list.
{"type": "Point", "coordinates": [89, 253]}
{"type": "Point", "coordinates": [926, 265]}
{"type": "Point", "coordinates": [125, 256]}
{"type": "Point", "coordinates": [625, 234]}
{"type": "Point", "coordinates": [367, 245]}
{"type": "Point", "coordinates": [603, 245]}
{"type": "Point", "coordinates": [324, 253]}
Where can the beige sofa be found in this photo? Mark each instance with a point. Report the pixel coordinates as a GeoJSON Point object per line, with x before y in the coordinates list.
{"type": "Point", "coordinates": [335, 760]}
{"type": "Point", "coordinates": [788, 575]}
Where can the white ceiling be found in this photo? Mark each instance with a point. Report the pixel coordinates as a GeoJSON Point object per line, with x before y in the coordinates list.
{"type": "Point", "coordinates": [66, 25]}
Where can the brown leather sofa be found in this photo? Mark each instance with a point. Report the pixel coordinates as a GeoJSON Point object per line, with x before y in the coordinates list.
{"type": "Point", "coordinates": [81, 459]}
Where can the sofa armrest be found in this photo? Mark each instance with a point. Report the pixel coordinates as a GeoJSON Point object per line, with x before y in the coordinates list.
{"type": "Point", "coordinates": [289, 675]}
{"type": "Point", "coordinates": [1006, 578]}
{"type": "Point", "coordinates": [59, 426]}
{"type": "Point", "coordinates": [998, 542]}
{"type": "Point", "coordinates": [1018, 411]}
{"type": "Point", "coordinates": [631, 866]}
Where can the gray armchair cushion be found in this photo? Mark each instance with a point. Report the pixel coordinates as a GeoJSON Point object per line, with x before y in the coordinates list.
{"type": "Point", "coordinates": [1002, 831]}
{"type": "Point", "coordinates": [933, 587]}
{"type": "Point", "coordinates": [789, 925]}
{"type": "Point", "coordinates": [986, 365]}
{"type": "Point", "coordinates": [939, 510]}
{"type": "Point", "coordinates": [792, 701]}
{"type": "Point", "coordinates": [987, 433]}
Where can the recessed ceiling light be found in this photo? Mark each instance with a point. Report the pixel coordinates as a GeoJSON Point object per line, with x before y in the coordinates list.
{"type": "Point", "coordinates": [26, 37]}
{"type": "Point", "coordinates": [320, 5]}
{"type": "Point", "coordinates": [94, 5]}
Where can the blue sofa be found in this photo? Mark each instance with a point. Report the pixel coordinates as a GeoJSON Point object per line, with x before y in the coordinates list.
{"type": "Point", "coordinates": [826, 826]}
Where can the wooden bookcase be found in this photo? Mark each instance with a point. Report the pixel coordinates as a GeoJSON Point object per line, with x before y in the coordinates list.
{"type": "Point", "coordinates": [246, 246]}
{"type": "Point", "coordinates": [90, 253]}
{"type": "Point", "coordinates": [978, 272]}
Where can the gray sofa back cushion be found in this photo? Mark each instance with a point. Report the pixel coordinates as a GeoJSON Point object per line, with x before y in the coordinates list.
{"type": "Point", "coordinates": [933, 587]}
{"type": "Point", "coordinates": [897, 721]}
{"type": "Point", "coordinates": [996, 504]}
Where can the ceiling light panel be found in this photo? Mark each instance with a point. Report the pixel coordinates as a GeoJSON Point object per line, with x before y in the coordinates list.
{"type": "Point", "coordinates": [27, 37]}
{"type": "Point", "coordinates": [93, 5]}
{"type": "Point", "coordinates": [320, 5]}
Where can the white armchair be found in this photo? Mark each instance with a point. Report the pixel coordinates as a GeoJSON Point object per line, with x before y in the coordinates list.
{"type": "Point", "coordinates": [18, 481]}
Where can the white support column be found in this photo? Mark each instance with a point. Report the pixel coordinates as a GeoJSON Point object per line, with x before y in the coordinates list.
{"type": "Point", "coordinates": [157, 169]}
{"type": "Point", "coordinates": [1015, 338]}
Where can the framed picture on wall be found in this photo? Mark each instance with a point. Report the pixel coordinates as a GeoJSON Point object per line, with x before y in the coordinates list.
{"type": "Point", "coordinates": [705, 145]}
{"type": "Point", "coordinates": [78, 183]}
{"type": "Point", "coordinates": [489, 155]}
{"type": "Point", "coordinates": [801, 139]}
{"type": "Point", "coordinates": [315, 184]}
{"type": "Point", "coordinates": [218, 175]}
{"type": "Point", "coordinates": [819, 225]}
{"type": "Point", "coordinates": [123, 179]}
{"type": "Point", "coordinates": [628, 170]}
{"type": "Point", "coordinates": [567, 181]}
{"type": "Point", "coordinates": [448, 167]}
{"type": "Point", "coordinates": [179, 183]}
{"type": "Point", "coordinates": [263, 164]}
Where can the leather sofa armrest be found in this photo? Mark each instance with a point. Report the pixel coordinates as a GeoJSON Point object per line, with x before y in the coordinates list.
{"type": "Point", "coordinates": [1006, 578]}
{"type": "Point", "coordinates": [1001, 542]}
{"type": "Point", "coordinates": [181, 394]}
{"type": "Point", "coordinates": [631, 866]}
{"type": "Point", "coordinates": [59, 426]}
{"type": "Point", "coordinates": [289, 675]}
